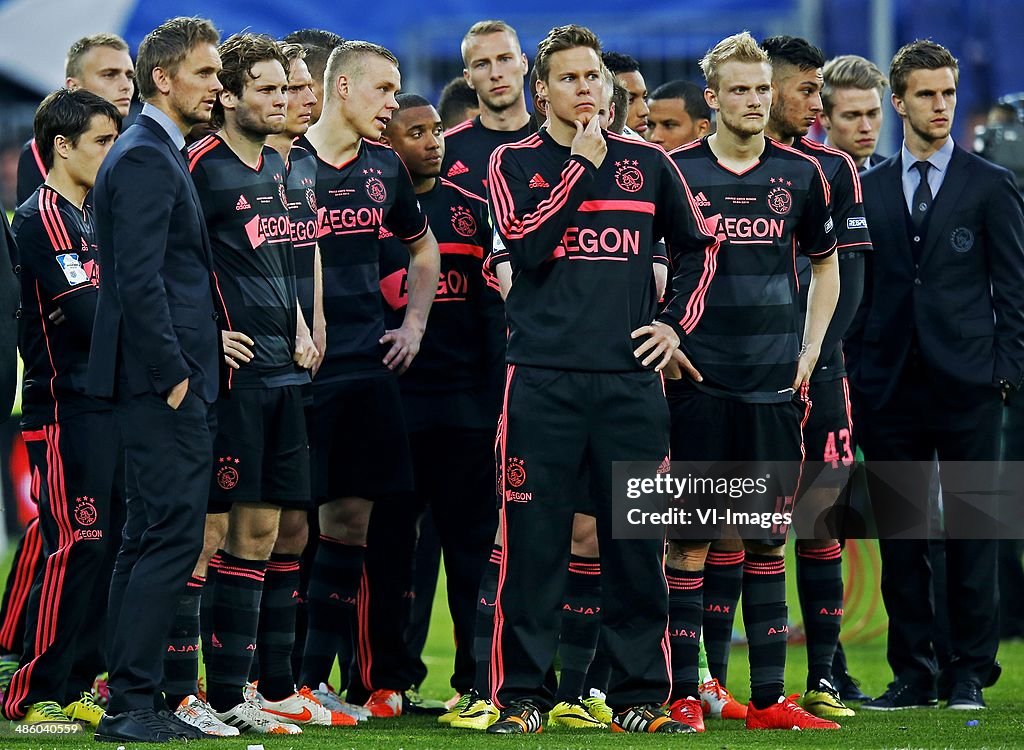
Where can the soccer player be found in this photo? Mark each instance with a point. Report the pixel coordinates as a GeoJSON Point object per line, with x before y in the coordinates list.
{"type": "Point", "coordinates": [743, 394]}
{"type": "Point", "coordinates": [318, 44]}
{"type": "Point", "coordinates": [828, 434]}
{"type": "Point", "coordinates": [458, 103]}
{"type": "Point", "coordinates": [495, 67]}
{"type": "Point", "coordinates": [627, 73]}
{"type": "Point", "coordinates": [677, 114]}
{"type": "Point", "coordinates": [452, 391]}
{"type": "Point", "coordinates": [581, 387]}
{"type": "Point", "coordinates": [359, 443]}
{"type": "Point", "coordinates": [77, 490]}
{"type": "Point", "coordinates": [851, 99]}
{"type": "Point", "coordinates": [278, 608]}
{"type": "Point", "coordinates": [99, 63]}
{"type": "Point", "coordinates": [261, 458]}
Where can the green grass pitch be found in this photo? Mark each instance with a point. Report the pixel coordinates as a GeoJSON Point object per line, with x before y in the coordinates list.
{"type": "Point", "coordinates": [1001, 726]}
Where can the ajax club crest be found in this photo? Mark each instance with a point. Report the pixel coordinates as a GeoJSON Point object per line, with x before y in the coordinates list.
{"type": "Point", "coordinates": [463, 222]}
{"type": "Point", "coordinates": [780, 200]}
{"type": "Point", "coordinates": [375, 186]}
{"type": "Point", "coordinates": [627, 175]}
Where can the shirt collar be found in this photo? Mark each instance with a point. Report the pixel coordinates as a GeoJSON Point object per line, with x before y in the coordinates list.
{"type": "Point", "coordinates": [939, 160]}
{"type": "Point", "coordinates": [158, 116]}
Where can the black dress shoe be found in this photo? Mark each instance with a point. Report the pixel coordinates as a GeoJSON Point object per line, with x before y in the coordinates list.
{"type": "Point", "coordinates": [901, 695]}
{"type": "Point", "coordinates": [966, 696]}
{"type": "Point", "coordinates": [185, 731]}
{"type": "Point", "coordinates": [946, 680]}
{"type": "Point", "coordinates": [141, 725]}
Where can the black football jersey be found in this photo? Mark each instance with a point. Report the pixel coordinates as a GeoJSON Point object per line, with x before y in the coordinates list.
{"type": "Point", "coordinates": [743, 323]}
{"type": "Point", "coordinates": [581, 241]}
{"type": "Point", "coordinates": [456, 375]}
{"type": "Point", "coordinates": [468, 146]}
{"type": "Point", "coordinates": [851, 227]}
{"type": "Point", "coordinates": [247, 218]}
{"type": "Point", "coordinates": [57, 243]}
{"type": "Point", "coordinates": [300, 187]}
{"type": "Point", "coordinates": [356, 199]}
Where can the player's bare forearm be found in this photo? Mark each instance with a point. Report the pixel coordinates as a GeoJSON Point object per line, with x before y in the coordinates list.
{"type": "Point", "coordinates": [822, 295]}
{"type": "Point", "coordinates": [424, 268]}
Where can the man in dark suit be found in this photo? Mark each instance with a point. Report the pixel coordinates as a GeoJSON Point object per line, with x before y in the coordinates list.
{"type": "Point", "coordinates": [939, 346]}
{"type": "Point", "coordinates": [155, 351]}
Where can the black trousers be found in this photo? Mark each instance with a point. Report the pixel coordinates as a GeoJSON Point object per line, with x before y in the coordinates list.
{"type": "Point", "coordinates": [168, 457]}
{"type": "Point", "coordinates": [1011, 572]}
{"type": "Point", "coordinates": [556, 424]}
{"type": "Point", "coordinates": [454, 477]}
{"type": "Point", "coordinates": [81, 508]}
{"type": "Point", "coordinates": [924, 419]}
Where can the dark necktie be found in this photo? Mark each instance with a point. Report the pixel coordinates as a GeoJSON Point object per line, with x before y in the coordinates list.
{"type": "Point", "coordinates": [922, 200]}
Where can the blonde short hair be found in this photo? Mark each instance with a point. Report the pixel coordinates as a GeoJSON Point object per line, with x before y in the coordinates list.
{"type": "Point", "coordinates": [739, 47]}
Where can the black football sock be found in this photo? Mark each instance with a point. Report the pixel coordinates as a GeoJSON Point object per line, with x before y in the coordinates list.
{"type": "Point", "coordinates": [238, 589]}
{"type": "Point", "coordinates": [330, 610]}
{"type": "Point", "coordinates": [765, 617]}
{"type": "Point", "coordinates": [581, 626]}
{"type": "Point", "coordinates": [276, 637]}
{"type": "Point", "coordinates": [685, 594]}
{"type": "Point", "coordinates": [723, 579]}
{"type": "Point", "coordinates": [819, 581]}
{"type": "Point", "coordinates": [484, 630]}
{"type": "Point", "coordinates": [181, 660]}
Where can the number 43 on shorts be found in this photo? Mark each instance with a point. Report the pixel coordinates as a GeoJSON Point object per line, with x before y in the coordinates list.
{"type": "Point", "coordinates": [834, 445]}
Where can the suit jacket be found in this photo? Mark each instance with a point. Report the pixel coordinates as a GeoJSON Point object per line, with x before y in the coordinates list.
{"type": "Point", "coordinates": [10, 301]}
{"type": "Point", "coordinates": [156, 322]}
{"type": "Point", "coordinates": [964, 299]}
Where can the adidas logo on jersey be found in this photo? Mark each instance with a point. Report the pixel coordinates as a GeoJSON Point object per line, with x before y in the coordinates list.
{"type": "Point", "coordinates": [538, 182]}
{"type": "Point", "coordinates": [457, 168]}
{"type": "Point", "coordinates": [242, 204]}
{"type": "Point", "coordinates": [702, 200]}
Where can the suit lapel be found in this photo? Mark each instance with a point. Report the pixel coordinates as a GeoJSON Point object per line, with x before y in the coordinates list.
{"type": "Point", "coordinates": [153, 126]}
{"type": "Point", "coordinates": [891, 189]}
{"type": "Point", "coordinates": [953, 186]}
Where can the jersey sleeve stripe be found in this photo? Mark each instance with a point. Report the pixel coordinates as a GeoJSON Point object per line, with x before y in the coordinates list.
{"type": "Point", "coordinates": [415, 235]}
{"type": "Point", "coordinates": [52, 221]}
{"type": "Point", "coordinates": [823, 253]}
{"type": "Point", "coordinates": [817, 165]}
{"type": "Point", "coordinates": [514, 228]}
{"type": "Point", "coordinates": [639, 207]}
{"type": "Point", "coordinates": [73, 290]}
{"type": "Point", "coordinates": [853, 244]}
{"type": "Point", "coordinates": [467, 193]}
{"type": "Point", "coordinates": [857, 195]}
{"type": "Point", "coordinates": [698, 217]}
{"type": "Point", "coordinates": [695, 305]}
{"type": "Point", "coordinates": [464, 125]}
{"type": "Point", "coordinates": [460, 248]}
{"type": "Point", "coordinates": [194, 157]}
